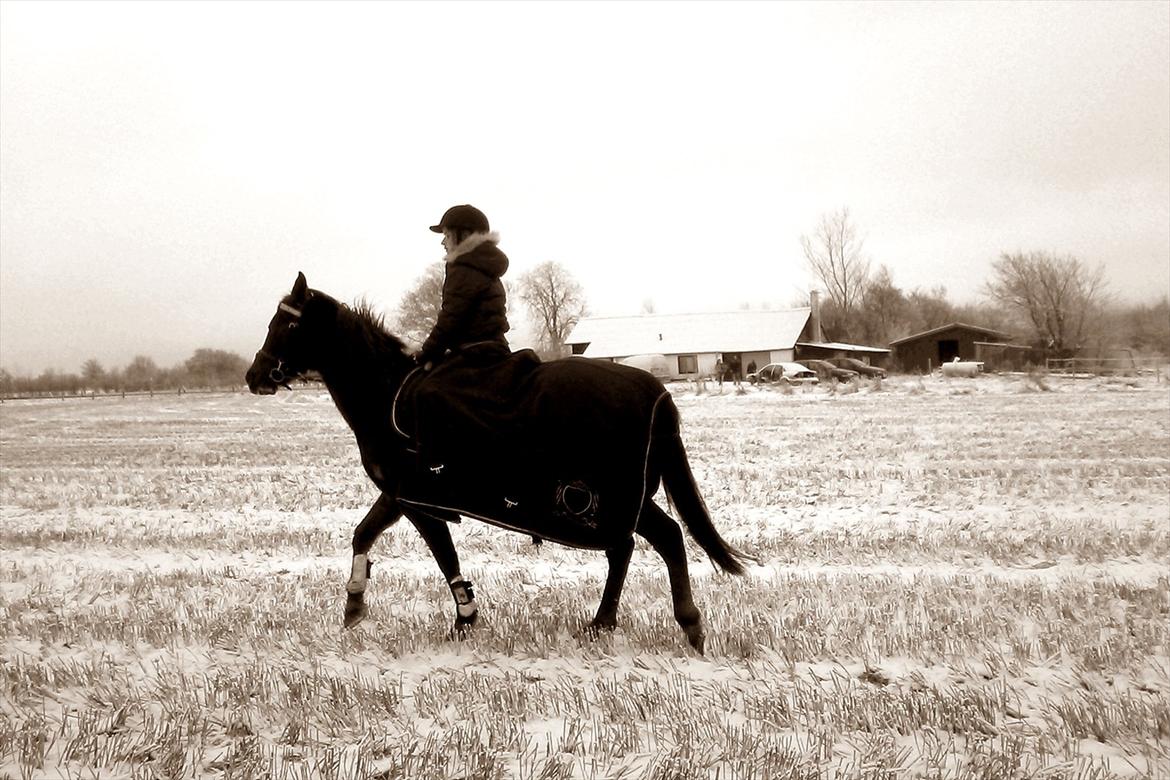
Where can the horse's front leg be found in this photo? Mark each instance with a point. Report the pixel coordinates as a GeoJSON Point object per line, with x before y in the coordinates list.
{"type": "Point", "coordinates": [383, 514]}
{"type": "Point", "coordinates": [438, 538]}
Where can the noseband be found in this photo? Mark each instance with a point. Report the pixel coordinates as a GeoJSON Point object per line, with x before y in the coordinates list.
{"type": "Point", "coordinates": [276, 373]}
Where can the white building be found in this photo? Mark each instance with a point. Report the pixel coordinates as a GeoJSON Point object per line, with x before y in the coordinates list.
{"type": "Point", "coordinates": [693, 342]}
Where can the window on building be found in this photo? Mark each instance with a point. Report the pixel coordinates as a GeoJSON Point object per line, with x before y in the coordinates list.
{"type": "Point", "coordinates": [688, 364]}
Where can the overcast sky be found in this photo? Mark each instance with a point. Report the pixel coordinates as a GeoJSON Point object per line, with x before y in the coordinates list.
{"type": "Point", "coordinates": [167, 168]}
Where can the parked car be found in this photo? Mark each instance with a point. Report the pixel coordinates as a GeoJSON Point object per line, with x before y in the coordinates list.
{"type": "Point", "coordinates": [853, 364]}
{"type": "Point", "coordinates": [788, 373]}
{"type": "Point", "coordinates": [654, 364]}
{"type": "Point", "coordinates": [827, 371]}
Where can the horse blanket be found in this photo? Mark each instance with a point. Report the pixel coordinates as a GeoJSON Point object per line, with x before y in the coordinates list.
{"type": "Point", "coordinates": [557, 449]}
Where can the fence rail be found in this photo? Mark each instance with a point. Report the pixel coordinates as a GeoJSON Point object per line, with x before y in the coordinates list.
{"type": "Point", "coordinates": [95, 395]}
{"type": "Point", "coordinates": [1109, 366]}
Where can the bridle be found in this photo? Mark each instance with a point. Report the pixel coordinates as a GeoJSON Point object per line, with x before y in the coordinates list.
{"type": "Point", "coordinates": [277, 373]}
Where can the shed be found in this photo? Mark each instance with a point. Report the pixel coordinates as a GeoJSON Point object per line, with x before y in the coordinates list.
{"type": "Point", "coordinates": [923, 352]}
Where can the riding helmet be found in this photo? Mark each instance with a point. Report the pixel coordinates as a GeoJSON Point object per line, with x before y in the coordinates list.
{"type": "Point", "coordinates": [464, 218]}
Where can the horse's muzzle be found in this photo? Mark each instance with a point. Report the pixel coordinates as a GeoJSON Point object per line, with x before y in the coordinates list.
{"type": "Point", "coordinates": [260, 379]}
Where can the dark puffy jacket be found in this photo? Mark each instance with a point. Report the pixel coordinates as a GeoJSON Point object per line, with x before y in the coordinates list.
{"type": "Point", "coordinates": [474, 302]}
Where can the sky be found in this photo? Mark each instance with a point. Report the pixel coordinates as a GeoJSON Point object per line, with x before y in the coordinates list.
{"type": "Point", "coordinates": [166, 169]}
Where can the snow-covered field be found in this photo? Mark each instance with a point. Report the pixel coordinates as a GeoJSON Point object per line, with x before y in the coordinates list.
{"type": "Point", "coordinates": [959, 578]}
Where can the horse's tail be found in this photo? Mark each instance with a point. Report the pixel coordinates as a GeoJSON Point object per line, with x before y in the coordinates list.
{"type": "Point", "coordinates": [670, 459]}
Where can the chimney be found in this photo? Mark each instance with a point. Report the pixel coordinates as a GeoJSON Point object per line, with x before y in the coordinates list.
{"type": "Point", "coordinates": [814, 319]}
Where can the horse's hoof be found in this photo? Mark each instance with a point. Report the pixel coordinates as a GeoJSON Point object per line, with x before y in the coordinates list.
{"type": "Point", "coordinates": [593, 630]}
{"type": "Point", "coordinates": [596, 626]}
{"type": "Point", "coordinates": [462, 627]}
{"type": "Point", "coordinates": [697, 638]}
{"type": "Point", "coordinates": [355, 610]}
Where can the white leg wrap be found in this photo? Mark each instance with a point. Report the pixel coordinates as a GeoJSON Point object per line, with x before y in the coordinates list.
{"type": "Point", "coordinates": [464, 602]}
{"type": "Point", "coordinates": [357, 576]}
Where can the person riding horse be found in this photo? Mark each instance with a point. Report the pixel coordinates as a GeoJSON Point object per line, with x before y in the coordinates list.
{"type": "Point", "coordinates": [571, 450]}
{"type": "Point", "coordinates": [464, 392]}
{"type": "Point", "coordinates": [474, 315]}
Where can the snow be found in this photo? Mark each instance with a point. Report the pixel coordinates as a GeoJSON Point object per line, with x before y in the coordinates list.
{"type": "Point", "coordinates": [841, 525]}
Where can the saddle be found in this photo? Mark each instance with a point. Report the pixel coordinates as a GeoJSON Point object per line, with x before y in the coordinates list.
{"type": "Point", "coordinates": [558, 449]}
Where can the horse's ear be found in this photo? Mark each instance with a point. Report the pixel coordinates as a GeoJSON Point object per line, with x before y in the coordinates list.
{"type": "Point", "coordinates": [300, 287]}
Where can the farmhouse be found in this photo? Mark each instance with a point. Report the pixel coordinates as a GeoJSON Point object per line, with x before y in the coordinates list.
{"type": "Point", "coordinates": [923, 352]}
{"type": "Point", "coordinates": [691, 343]}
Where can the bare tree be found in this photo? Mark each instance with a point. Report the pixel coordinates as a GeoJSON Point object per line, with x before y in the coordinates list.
{"type": "Point", "coordinates": [92, 374]}
{"type": "Point", "coordinates": [141, 374]}
{"type": "Point", "coordinates": [835, 254]}
{"type": "Point", "coordinates": [1057, 295]}
{"type": "Point", "coordinates": [419, 308]}
{"type": "Point", "coordinates": [927, 309]}
{"type": "Point", "coordinates": [555, 301]}
{"type": "Point", "coordinates": [882, 308]}
{"type": "Point", "coordinates": [1144, 327]}
{"type": "Point", "coordinates": [211, 368]}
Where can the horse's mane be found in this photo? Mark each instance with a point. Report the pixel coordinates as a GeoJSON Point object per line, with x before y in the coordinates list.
{"type": "Point", "coordinates": [369, 327]}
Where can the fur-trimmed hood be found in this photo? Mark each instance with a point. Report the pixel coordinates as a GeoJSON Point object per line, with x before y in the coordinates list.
{"type": "Point", "coordinates": [488, 258]}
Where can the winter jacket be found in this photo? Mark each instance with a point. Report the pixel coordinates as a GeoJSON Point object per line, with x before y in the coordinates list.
{"type": "Point", "coordinates": [474, 302]}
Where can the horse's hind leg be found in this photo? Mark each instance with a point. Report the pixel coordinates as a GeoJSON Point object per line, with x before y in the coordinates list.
{"type": "Point", "coordinates": [665, 536]}
{"type": "Point", "coordinates": [619, 563]}
{"type": "Point", "coordinates": [438, 538]}
{"type": "Point", "coordinates": [383, 514]}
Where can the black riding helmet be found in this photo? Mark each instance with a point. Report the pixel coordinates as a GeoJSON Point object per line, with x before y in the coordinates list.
{"type": "Point", "coordinates": [463, 218]}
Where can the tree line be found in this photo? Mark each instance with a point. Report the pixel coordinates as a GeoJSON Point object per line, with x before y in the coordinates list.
{"type": "Point", "coordinates": [1055, 303]}
{"type": "Point", "coordinates": [206, 369]}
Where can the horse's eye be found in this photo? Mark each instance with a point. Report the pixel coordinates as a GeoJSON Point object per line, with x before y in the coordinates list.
{"type": "Point", "coordinates": [291, 325]}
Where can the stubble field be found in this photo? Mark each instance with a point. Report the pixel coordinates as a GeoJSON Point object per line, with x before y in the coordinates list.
{"type": "Point", "coordinates": [957, 579]}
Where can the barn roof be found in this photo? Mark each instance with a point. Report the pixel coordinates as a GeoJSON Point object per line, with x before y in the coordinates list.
{"type": "Point", "coordinates": [842, 347]}
{"type": "Point", "coordinates": [949, 326]}
{"type": "Point", "coordinates": [681, 334]}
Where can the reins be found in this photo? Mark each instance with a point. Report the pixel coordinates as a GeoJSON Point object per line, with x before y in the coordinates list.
{"type": "Point", "coordinates": [394, 405]}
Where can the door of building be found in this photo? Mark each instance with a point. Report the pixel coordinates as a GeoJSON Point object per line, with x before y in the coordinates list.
{"type": "Point", "coordinates": [948, 350]}
{"type": "Point", "coordinates": [734, 361]}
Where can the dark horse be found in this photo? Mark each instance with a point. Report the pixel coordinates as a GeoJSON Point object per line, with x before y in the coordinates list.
{"type": "Point", "coordinates": [365, 367]}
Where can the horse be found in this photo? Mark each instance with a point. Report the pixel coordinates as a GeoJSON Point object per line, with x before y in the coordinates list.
{"type": "Point", "coordinates": [365, 368]}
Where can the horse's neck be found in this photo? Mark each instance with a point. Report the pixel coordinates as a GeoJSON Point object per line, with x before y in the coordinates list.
{"type": "Point", "coordinates": [363, 383]}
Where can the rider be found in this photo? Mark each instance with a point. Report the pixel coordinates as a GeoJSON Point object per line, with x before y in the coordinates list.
{"type": "Point", "coordinates": [470, 373]}
{"type": "Point", "coordinates": [473, 318]}
{"type": "Point", "coordinates": [464, 361]}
